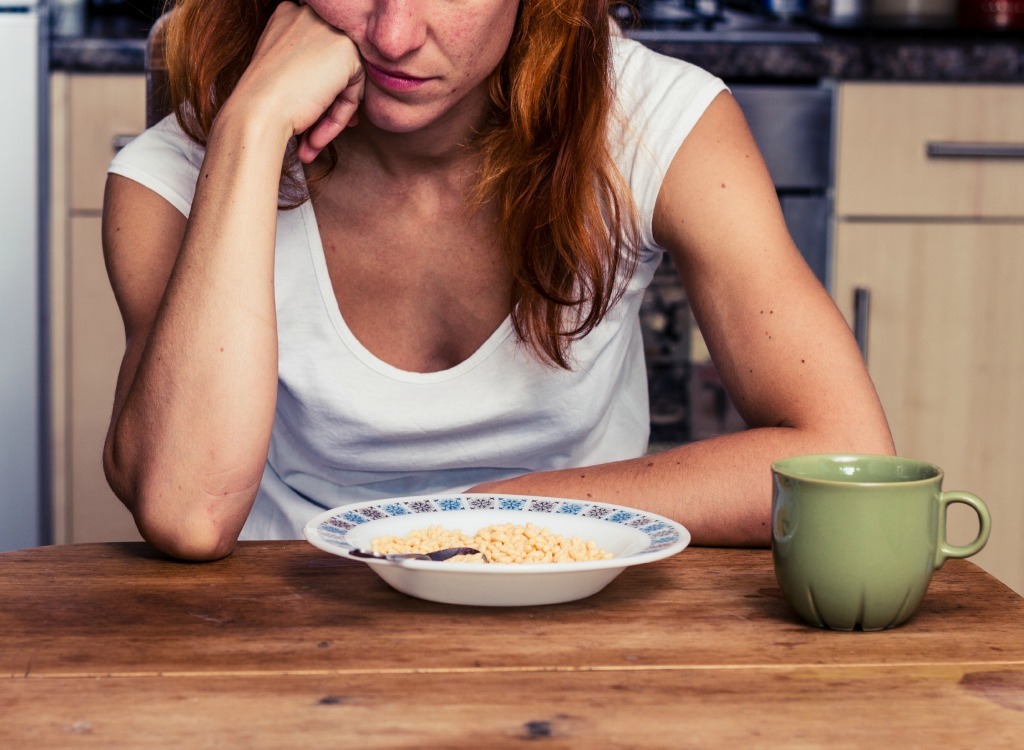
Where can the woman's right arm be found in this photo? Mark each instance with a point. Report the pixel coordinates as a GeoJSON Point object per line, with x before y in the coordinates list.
{"type": "Point", "coordinates": [195, 397]}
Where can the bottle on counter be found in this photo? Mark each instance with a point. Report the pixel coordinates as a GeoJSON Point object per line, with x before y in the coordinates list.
{"type": "Point", "coordinates": [913, 13]}
{"type": "Point", "coordinates": [839, 13]}
{"type": "Point", "coordinates": [991, 14]}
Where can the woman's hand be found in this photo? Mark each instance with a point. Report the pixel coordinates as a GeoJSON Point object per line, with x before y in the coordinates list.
{"type": "Point", "coordinates": [306, 72]}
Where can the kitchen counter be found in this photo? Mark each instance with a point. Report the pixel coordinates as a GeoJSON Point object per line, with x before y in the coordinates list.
{"type": "Point", "coordinates": [744, 49]}
{"type": "Point", "coordinates": [850, 55]}
{"type": "Point", "coordinates": [108, 44]}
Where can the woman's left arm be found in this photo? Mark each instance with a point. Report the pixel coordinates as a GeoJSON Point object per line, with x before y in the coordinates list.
{"type": "Point", "coordinates": [785, 354]}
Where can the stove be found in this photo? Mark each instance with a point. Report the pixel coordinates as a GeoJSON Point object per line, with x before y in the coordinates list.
{"type": "Point", "coordinates": [678, 14]}
{"type": "Point", "coordinates": [712, 21]}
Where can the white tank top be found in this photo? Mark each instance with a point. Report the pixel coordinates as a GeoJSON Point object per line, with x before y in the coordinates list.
{"type": "Point", "coordinates": [350, 427]}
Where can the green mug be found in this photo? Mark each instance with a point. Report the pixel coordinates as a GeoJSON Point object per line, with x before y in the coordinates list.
{"type": "Point", "coordinates": [856, 538]}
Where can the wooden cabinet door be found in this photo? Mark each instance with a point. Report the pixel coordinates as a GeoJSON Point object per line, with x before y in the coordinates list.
{"type": "Point", "coordinates": [104, 111]}
{"type": "Point", "coordinates": [930, 150]}
{"type": "Point", "coordinates": [944, 347]}
{"type": "Point", "coordinates": [91, 115]}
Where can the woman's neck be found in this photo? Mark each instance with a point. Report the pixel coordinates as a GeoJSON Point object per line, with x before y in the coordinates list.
{"type": "Point", "coordinates": [442, 146]}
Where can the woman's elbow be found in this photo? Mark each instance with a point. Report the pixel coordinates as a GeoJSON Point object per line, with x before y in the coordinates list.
{"type": "Point", "coordinates": [167, 515]}
{"type": "Point", "coordinates": [871, 433]}
{"type": "Point", "coordinates": [880, 443]}
{"type": "Point", "coordinates": [868, 434]}
{"type": "Point", "coordinates": [190, 538]}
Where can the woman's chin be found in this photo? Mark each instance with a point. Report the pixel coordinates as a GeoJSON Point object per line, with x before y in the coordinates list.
{"type": "Point", "coordinates": [396, 117]}
{"type": "Point", "coordinates": [392, 115]}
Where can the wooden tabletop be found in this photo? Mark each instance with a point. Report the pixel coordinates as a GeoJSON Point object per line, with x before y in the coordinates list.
{"type": "Point", "coordinates": [283, 645]}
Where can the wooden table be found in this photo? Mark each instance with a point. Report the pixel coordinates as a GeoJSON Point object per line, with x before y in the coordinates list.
{"type": "Point", "coordinates": [282, 645]}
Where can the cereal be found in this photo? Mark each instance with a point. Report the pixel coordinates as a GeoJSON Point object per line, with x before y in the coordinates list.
{"type": "Point", "coordinates": [501, 543]}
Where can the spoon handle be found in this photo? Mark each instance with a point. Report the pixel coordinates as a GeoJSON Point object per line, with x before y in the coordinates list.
{"type": "Point", "coordinates": [438, 556]}
{"type": "Point", "coordinates": [378, 556]}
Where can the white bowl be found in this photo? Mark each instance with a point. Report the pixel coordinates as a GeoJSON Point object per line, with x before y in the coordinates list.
{"type": "Point", "coordinates": [632, 536]}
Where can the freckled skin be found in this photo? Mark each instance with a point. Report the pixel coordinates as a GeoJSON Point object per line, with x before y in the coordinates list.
{"type": "Point", "coordinates": [455, 46]}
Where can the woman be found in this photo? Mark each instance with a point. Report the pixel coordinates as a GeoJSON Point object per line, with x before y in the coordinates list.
{"type": "Point", "coordinates": [455, 309]}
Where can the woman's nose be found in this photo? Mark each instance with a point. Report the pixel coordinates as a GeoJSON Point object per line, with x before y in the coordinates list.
{"type": "Point", "coordinates": [397, 27]}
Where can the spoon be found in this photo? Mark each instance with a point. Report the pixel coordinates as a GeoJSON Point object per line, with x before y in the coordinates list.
{"type": "Point", "coordinates": [438, 556]}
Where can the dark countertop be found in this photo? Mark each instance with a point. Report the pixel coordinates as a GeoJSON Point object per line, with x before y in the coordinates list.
{"type": "Point", "coordinates": [925, 57]}
{"type": "Point", "coordinates": [772, 51]}
{"type": "Point", "coordinates": [109, 44]}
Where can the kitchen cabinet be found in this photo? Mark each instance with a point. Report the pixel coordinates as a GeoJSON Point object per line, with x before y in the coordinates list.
{"type": "Point", "coordinates": [91, 116]}
{"type": "Point", "coordinates": [928, 267]}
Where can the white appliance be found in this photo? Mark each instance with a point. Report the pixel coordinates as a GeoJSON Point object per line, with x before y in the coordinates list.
{"type": "Point", "coordinates": [24, 505]}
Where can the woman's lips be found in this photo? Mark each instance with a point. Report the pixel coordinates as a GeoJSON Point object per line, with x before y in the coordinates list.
{"type": "Point", "coordinates": [393, 80]}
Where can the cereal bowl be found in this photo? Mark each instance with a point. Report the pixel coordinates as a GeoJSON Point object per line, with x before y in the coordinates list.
{"type": "Point", "coordinates": [631, 536]}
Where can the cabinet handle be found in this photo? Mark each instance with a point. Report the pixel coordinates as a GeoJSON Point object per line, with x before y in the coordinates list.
{"type": "Point", "coordinates": [120, 141]}
{"type": "Point", "coordinates": [954, 150]}
{"type": "Point", "coordinates": [861, 312]}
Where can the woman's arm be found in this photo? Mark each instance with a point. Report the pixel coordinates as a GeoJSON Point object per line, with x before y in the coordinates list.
{"type": "Point", "coordinates": [195, 398]}
{"type": "Point", "coordinates": [785, 354]}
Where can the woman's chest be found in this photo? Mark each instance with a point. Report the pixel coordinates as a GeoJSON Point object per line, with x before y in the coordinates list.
{"type": "Point", "coordinates": [421, 286]}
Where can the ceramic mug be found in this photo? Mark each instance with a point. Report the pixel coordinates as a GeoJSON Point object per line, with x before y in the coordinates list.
{"type": "Point", "coordinates": [856, 538]}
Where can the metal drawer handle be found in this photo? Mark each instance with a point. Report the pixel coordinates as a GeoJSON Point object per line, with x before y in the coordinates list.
{"type": "Point", "coordinates": [861, 313]}
{"type": "Point", "coordinates": [955, 150]}
{"type": "Point", "coordinates": [120, 141]}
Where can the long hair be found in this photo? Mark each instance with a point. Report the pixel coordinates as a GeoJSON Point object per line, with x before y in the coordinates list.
{"type": "Point", "coordinates": [566, 220]}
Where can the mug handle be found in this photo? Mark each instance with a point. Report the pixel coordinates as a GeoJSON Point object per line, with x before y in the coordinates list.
{"type": "Point", "coordinates": [947, 550]}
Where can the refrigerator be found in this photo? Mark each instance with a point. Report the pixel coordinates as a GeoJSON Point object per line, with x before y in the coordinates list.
{"type": "Point", "coordinates": [24, 504]}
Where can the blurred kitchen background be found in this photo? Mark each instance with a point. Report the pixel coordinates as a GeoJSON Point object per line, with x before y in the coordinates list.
{"type": "Point", "coordinates": [894, 131]}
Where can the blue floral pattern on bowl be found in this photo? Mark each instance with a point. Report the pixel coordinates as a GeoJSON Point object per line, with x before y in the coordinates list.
{"type": "Point", "coordinates": [660, 533]}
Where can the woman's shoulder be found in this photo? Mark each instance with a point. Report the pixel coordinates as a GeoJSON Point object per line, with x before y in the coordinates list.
{"type": "Point", "coordinates": [164, 159]}
{"type": "Point", "coordinates": [658, 101]}
{"type": "Point", "coordinates": [641, 73]}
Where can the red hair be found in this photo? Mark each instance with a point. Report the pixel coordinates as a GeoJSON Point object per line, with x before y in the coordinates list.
{"type": "Point", "coordinates": [566, 219]}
